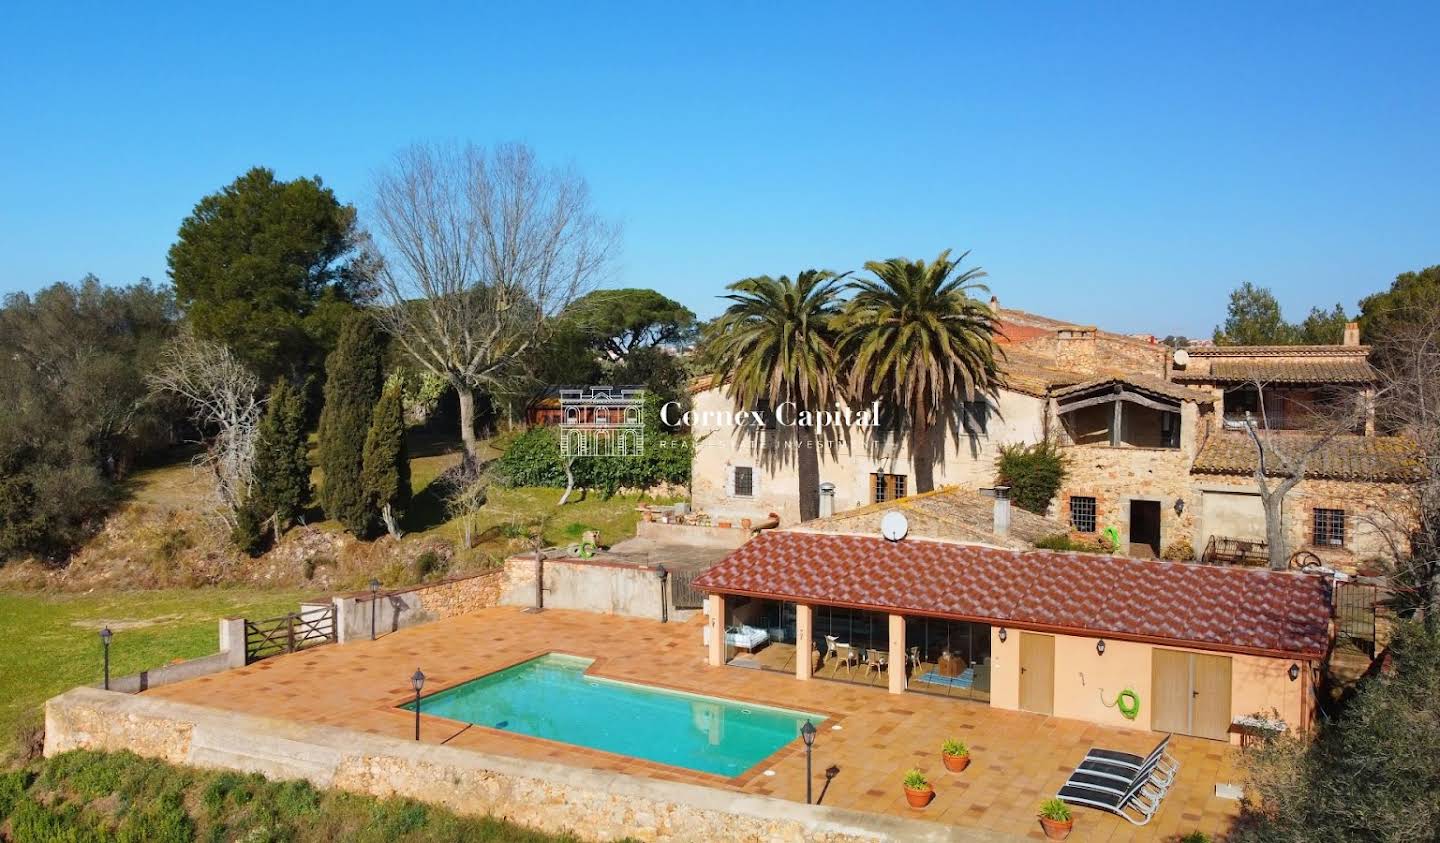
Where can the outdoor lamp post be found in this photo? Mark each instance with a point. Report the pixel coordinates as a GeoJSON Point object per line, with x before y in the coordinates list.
{"type": "Point", "coordinates": [418, 681]}
{"type": "Point", "coordinates": [660, 574]}
{"type": "Point", "coordinates": [374, 598]}
{"type": "Point", "coordinates": [807, 734]}
{"type": "Point", "coordinates": [105, 635]}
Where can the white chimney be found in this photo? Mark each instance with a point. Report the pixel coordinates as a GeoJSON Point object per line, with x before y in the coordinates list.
{"type": "Point", "coordinates": [995, 304]}
{"type": "Point", "coordinates": [1352, 333]}
{"type": "Point", "coordinates": [827, 500]}
{"type": "Point", "coordinates": [1002, 510]}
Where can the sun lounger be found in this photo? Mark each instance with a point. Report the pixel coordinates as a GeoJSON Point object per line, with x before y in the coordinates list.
{"type": "Point", "coordinates": [1122, 783]}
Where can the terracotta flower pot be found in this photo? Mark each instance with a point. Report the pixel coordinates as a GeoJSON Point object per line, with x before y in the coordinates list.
{"type": "Point", "coordinates": [919, 798]}
{"type": "Point", "coordinates": [1057, 829]}
{"type": "Point", "coordinates": [724, 525]}
{"type": "Point", "coordinates": [745, 522]}
{"type": "Point", "coordinates": [955, 763]}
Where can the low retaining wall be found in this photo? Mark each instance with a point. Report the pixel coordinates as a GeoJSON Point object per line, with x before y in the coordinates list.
{"type": "Point", "coordinates": [232, 654]}
{"type": "Point", "coordinates": [724, 537]}
{"type": "Point", "coordinates": [591, 585]}
{"type": "Point", "coordinates": [593, 804]}
{"type": "Point", "coordinates": [415, 605]}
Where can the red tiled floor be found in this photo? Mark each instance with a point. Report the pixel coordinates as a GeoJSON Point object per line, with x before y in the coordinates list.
{"type": "Point", "coordinates": [1019, 758]}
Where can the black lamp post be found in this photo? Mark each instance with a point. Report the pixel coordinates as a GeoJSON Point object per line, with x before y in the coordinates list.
{"type": "Point", "coordinates": [418, 681]}
{"type": "Point", "coordinates": [661, 573]}
{"type": "Point", "coordinates": [807, 734]}
{"type": "Point", "coordinates": [374, 598]}
{"type": "Point", "coordinates": [105, 635]}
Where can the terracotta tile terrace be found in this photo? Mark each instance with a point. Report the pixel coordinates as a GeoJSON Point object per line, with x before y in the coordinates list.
{"type": "Point", "coordinates": [1018, 758]}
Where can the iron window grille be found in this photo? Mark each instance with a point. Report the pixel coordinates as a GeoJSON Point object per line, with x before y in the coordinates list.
{"type": "Point", "coordinates": [1082, 513]}
{"type": "Point", "coordinates": [744, 482]}
{"type": "Point", "coordinates": [1329, 527]}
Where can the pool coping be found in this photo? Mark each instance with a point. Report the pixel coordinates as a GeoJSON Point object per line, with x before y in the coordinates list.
{"type": "Point", "coordinates": [786, 750]}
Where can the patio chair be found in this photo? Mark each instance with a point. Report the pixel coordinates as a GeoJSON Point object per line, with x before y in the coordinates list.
{"type": "Point", "coordinates": [875, 663]}
{"type": "Point", "coordinates": [831, 653]}
{"type": "Point", "coordinates": [844, 654]}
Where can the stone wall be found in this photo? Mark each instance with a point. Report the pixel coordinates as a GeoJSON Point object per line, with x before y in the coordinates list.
{"type": "Point", "coordinates": [555, 798]}
{"type": "Point", "coordinates": [415, 605]}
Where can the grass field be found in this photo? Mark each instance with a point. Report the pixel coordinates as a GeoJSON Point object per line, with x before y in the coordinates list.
{"type": "Point", "coordinates": [92, 797]}
{"type": "Point", "coordinates": [49, 643]}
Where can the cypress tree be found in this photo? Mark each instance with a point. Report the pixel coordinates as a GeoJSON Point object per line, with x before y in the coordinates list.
{"type": "Point", "coordinates": [282, 468]}
{"type": "Point", "coordinates": [387, 463]}
{"type": "Point", "coordinates": [352, 386]}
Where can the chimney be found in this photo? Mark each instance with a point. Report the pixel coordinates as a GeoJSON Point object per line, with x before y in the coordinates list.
{"type": "Point", "coordinates": [1002, 510]}
{"type": "Point", "coordinates": [827, 500]}
{"type": "Point", "coordinates": [1075, 348]}
{"type": "Point", "coordinates": [1352, 333]}
{"type": "Point", "coordinates": [995, 305]}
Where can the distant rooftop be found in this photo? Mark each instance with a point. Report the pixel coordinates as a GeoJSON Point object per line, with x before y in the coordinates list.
{"type": "Point", "coordinates": [951, 513]}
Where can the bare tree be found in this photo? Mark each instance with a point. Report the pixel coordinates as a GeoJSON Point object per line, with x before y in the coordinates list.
{"type": "Point", "coordinates": [467, 487]}
{"type": "Point", "coordinates": [1409, 405]}
{"type": "Point", "coordinates": [223, 395]}
{"type": "Point", "coordinates": [478, 250]}
{"type": "Point", "coordinates": [1282, 459]}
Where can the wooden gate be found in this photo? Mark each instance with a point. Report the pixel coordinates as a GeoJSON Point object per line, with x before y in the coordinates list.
{"type": "Point", "coordinates": [288, 633]}
{"type": "Point", "coordinates": [683, 595]}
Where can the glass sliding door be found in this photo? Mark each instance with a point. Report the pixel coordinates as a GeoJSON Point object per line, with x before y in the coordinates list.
{"type": "Point", "coordinates": [854, 645]}
{"type": "Point", "coordinates": [760, 634]}
{"type": "Point", "coordinates": [948, 658]}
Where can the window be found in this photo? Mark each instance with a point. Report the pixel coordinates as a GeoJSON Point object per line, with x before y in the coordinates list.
{"type": "Point", "coordinates": [888, 487]}
{"type": "Point", "coordinates": [1082, 513]}
{"type": "Point", "coordinates": [1329, 527]}
{"type": "Point", "coordinates": [744, 482]}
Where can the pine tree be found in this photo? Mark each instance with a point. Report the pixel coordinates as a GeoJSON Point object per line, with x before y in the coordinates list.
{"type": "Point", "coordinates": [387, 464]}
{"type": "Point", "coordinates": [282, 468]}
{"type": "Point", "coordinates": [352, 386]}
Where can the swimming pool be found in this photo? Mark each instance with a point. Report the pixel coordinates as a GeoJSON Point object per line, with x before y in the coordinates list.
{"type": "Point", "coordinates": [551, 697]}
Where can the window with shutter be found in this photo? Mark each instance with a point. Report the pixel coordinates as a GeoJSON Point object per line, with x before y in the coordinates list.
{"type": "Point", "coordinates": [887, 487]}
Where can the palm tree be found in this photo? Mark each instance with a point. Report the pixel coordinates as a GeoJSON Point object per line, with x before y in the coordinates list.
{"type": "Point", "coordinates": [916, 339]}
{"type": "Point", "coordinates": [775, 344]}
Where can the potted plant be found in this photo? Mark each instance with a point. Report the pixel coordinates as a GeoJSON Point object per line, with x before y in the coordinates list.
{"type": "Point", "coordinates": [955, 754]}
{"type": "Point", "coordinates": [1055, 819]}
{"type": "Point", "coordinates": [918, 791]}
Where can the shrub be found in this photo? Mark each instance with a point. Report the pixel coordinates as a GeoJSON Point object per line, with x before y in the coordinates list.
{"type": "Point", "coordinates": [954, 748]}
{"type": "Point", "coordinates": [1069, 544]}
{"type": "Point", "coordinates": [1054, 809]}
{"type": "Point", "coordinates": [428, 564]}
{"type": "Point", "coordinates": [250, 534]}
{"type": "Point", "coordinates": [915, 780]}
{"type": "Point", "coordinates": [1195, 837]}
{"type": "Point", "coordinates": [1179, 551]}
{"type": "Point", "coordinates": [1033, 472]}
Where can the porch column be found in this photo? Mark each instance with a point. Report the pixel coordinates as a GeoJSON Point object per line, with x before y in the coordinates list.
{"type": "Point", "coordinates": [804, 642]}
{"type": "Point", "coordinates": [897, 654]}
{"type": "Point", "coordinates": [715, 622]}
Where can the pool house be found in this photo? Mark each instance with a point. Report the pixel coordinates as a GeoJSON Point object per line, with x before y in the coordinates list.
{"type": "Point", "coordinates": [1192, 647]}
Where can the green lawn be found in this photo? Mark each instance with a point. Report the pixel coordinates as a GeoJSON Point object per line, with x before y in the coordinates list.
{"type": "Point", "coordinates": [49, 643]}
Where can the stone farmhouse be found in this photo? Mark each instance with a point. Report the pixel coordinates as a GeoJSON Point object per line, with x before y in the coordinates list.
{"type": "Point", "coordinates": [1159, 452]}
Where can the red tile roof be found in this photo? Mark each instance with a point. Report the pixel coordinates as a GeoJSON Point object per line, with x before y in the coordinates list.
{"type": "Point", "coordinates": [1230, 609]}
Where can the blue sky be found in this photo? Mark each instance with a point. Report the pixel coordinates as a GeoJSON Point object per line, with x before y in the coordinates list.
{"type": "Point", "coordinates": [1124, 165]}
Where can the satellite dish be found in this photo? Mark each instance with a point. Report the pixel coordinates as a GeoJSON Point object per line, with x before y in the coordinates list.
{"type": "Point", "coordinates": [894, 526]}
{"type": "Point", "coordinates": [1182, 357]}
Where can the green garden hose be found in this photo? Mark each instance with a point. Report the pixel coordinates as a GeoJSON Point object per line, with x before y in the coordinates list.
{"type": "Point", "coordinates": [587, 550]}
{"type": "Point", "coordinates": [1114, 536]}
{"type": "Point", "coordinates": [1127, 701]}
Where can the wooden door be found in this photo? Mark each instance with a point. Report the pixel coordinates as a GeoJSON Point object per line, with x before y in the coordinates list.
{"type": "Point", "coordinates": [1170, 691]}
{"type": "Point", "coordinates": [1210, 695]}
{"type": "Point", "coordinates": [1037, 673]}
{"type": "Point", "coordinates": [1190, 694]}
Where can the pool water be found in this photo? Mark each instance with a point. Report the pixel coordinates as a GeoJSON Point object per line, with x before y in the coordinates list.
{"type": "Point", "coordinates": [551, 697]}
